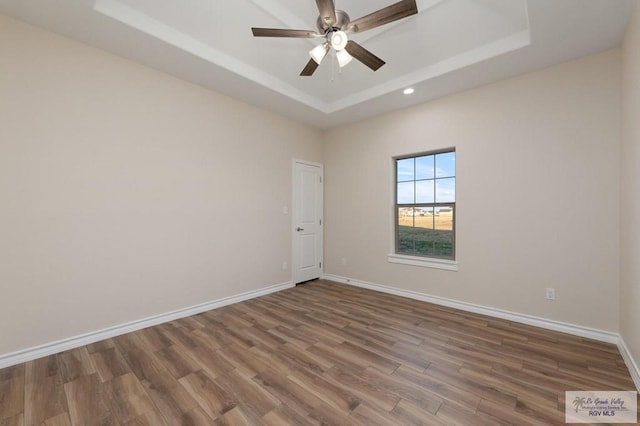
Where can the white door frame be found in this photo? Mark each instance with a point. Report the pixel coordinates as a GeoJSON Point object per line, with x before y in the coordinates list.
{"type": "Point", "coordinates": [295, 236]}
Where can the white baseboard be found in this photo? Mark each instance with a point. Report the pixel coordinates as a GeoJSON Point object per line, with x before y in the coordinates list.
{"type": "Point", "coordinates": [25, 355]}
{"type": "Point", "coordinates": [576, 330]}
{"type": "Point", "coordinates": [629, 361]}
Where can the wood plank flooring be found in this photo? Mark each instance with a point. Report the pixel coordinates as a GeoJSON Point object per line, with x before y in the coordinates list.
{"type": "Point", "coordinates": [320, 353]}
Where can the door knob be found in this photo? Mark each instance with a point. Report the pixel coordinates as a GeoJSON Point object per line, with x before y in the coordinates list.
{"type": "Point", "coordinates": [299, 229]}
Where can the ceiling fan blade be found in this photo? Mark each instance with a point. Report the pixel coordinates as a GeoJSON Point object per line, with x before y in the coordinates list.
{"type": "Point", "coordinates": [327, 11]}
{"type": "Point", "coordinates": [310, 68]}
{"type": "Point", "coordinates": [396, 11]}
{"type": "Point", "coordinates": [276, 32]}
{"type": "Point", "coordinates": [363, 55]}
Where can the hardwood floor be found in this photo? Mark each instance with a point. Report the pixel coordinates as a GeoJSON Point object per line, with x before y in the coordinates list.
{"type": "Point", "coordinates": [321, 353]}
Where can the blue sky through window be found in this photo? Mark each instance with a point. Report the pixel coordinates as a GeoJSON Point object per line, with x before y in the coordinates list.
{"type": "Point", "coordinates": [405, 169]}
{"type": "Point", "coordinates": [424, 167]}
{"type": "Point", "coordinates": [427, 179]}
{"type": "Point", "coordinates": [446, 165]}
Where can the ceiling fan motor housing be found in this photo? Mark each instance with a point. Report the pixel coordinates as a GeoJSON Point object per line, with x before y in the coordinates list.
{"type": "Point", "coordinates": [342, 23]}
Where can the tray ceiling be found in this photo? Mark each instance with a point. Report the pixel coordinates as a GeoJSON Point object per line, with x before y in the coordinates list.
{"type": "Point", "coordinates": [450, 45]}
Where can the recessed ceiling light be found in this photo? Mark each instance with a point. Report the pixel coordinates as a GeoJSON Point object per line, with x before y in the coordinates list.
{"type": "Point", "coordinates": [408, 91]}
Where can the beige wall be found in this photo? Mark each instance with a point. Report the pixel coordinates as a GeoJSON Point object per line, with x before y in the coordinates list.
{"type": "Point", "coordinates": [128, 193]}
{"type": "Point", "coordinates": [537, 184]}
{"type": "Point", "coordinates": [630, 190]}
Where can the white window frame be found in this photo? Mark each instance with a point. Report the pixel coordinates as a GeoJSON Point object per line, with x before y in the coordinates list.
{"type": "Point", "coordinates": [420, 261]}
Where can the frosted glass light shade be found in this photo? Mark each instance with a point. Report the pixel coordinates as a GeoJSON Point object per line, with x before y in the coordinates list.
{"type": "Point", "coordinates": [319, 52]}
{"type": "Point", "coordinates": [343, 57]}
{"type": "Point", "coordinates": [339, 40]}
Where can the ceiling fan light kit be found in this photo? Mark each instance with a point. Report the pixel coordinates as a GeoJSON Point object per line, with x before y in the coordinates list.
{"type": "Point", "coordinates": [343, 57]}
{"type": "Point", "coordinates": [334, 25]}
{"type": "Point", "coordinates": [339, 40]}
{"type": "Point", "coordinates": [319, 52]}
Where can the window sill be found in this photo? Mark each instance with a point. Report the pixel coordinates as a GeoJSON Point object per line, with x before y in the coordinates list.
{"type": "Point", "coordinates": [447, 265]}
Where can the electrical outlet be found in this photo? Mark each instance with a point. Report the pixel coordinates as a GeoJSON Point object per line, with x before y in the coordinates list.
{"type": "Point", "coordinates": [550, 294]}
{"type": "Point", "coordinates": [285, 265]}
{"type": "Point", "coordinates": [343, 261]}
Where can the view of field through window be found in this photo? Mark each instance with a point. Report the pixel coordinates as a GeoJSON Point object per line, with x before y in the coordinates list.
{"type": "Point", "coordinates": [425, 205]}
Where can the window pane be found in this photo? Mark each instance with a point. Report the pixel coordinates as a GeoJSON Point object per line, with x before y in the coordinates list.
{"type": "Point", "coordinates": [446, 164]}
{"type": "Point", "coordinates": [443, 236]}
{"type": "Point", "coordinates": [422, 239]}
{"type": "Point", "coordinates": [406, 193]}
{"type": "Point", "coordinates": [406, 240]}
{"type": "Point", "coordinates": [446, 190]}
{"type": "Point", "coordinates": [443, 244]}
{"type": "Point", "coordinates": [405, 216]}
{"type": "Point", "coordinates": [424, 191]}
{"type": "Point", "coordinates": [424, 167]}
{"type": "Point", "coordinates": [407, 233]}
{"type": "Point", "coordinates": [425, 242]}
{"type": "Point", "coordinates": [423, 217]}
{"type": "Point", "coordinates": [405, 169]}
{"type": "Point", "coordinates": [444, 218]}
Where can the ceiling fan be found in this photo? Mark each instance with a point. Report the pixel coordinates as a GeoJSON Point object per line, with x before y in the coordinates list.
{"type": "Point", "coordinates": [334, 25]}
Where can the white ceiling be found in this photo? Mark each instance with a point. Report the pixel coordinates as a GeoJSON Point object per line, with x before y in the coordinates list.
{"type": "Point", "coordinates": [451, 45]}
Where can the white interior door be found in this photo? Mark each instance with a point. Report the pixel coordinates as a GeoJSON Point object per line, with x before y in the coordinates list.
{"type": "Point", "coordinates": [307, 221]}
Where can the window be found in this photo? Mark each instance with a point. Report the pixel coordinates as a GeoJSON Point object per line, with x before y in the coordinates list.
{"type": "Point", "coordinates": [425, 205]}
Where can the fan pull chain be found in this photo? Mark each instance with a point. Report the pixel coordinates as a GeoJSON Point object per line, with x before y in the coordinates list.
{"type": "Point", "coordinates": [333, 66]}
